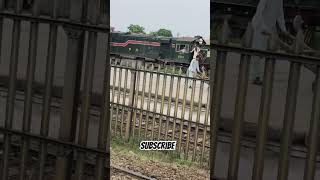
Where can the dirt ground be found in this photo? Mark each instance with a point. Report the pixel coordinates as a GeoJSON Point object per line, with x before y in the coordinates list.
{"type": "Point", "coordinates": [153, 168]}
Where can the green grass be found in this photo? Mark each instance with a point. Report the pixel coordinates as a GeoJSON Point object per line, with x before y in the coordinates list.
{"type": "Point", "coordinates": [132, 147]}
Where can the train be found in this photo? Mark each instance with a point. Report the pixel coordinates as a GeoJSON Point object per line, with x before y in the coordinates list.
{"type": "Point", "coordinates": [157, 49]}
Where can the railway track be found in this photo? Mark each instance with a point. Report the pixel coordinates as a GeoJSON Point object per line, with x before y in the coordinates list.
{"type": "Point", "coordinates": [129, 173]}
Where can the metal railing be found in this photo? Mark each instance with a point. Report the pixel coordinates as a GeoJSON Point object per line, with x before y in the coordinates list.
{"type": "Point", "coordinates": [69, 148]}
{"type": "Point", "coordinates": [156, 102]}
{"type": "Point", "coordinates": [271, 58]}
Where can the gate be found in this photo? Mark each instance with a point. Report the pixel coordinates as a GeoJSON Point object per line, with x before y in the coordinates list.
{"type": "Point", "coordinates": [54, 82]}
{"type": "Point", "coordinates": [301, 72]}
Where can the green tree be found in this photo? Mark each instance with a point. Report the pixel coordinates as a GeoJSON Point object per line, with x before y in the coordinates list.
{"type": "Point", "coordinates": [133, 28]}
{"type": "Point", "coordinates": [164, 32]}
{"type": "Point", "coordinates": [153, 33]}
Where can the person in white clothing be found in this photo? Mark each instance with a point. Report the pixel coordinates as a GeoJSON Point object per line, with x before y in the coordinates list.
{"type": "Point", "coordinates": [193, 69]}
{"type": "Point", "coordinates": [268, 17]}
{"type": "Point", "coordinates": [195, 50]}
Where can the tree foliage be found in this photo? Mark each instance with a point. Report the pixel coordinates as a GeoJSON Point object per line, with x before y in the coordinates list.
{"type": "Point", "coordinates": [153, 33]}
{"type": "Point", "coordinates": [164, 32]}
{"type": "Point", "coordinates": [134, 28]}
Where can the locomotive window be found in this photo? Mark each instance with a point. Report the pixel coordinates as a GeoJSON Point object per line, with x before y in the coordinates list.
{"type": "Point", "coordinates": [182, 48]}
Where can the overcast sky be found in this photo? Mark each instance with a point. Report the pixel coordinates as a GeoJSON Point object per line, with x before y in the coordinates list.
{"type": "Point", "coordinates": [186, 17]}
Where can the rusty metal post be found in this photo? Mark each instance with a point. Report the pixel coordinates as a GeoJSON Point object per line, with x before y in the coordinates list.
{"type": "Point", "coordinates": [164, 86]}
{"type": "Point", "coordinates": [190, 119]}
{"type": "Point", "coordinates": [149, 102]}
{"type": "Point", "coordinates": [216, 93]}
{"type": "Point", "coordinates": [155, 105]}
{"type": "Point", "coordinates": [131, 102]}
{"type": "Point", "coordinates": [124, 97]}
{"type": "Point", "coordinates": [176, 106]}
{"type": "Point", "coordinates": [47, 96]}
{"type": "Point", "coordinates": [206, 120]}
{"type": "Point", "coordinates": [104, 135]}
{"type": "Point", "coordinates": [114, 72]}
{"type": "Point", "coordinates": [263, 119]}
{"type": "Point", "coordinates": [169, 104]}
{"type": "Point", "coordinates": [45, 116]}
{"type": "Point", "coordinates": [142, 99]}
{"type": "Point", "coordinates": [264, 111]}
{"type": "Point", "coordinates": [118, 100]}
{"type": "Point", "coordinates": [12, 90]}
{"type": "Point", "coordinates": [240, 107]}
{"type": "Point", "coordinates": [194, 155]}
{"type": "Point", "coordinates": [71, 92]}
{"type": "Point", "coordinates": [27, 113]}
{"type": "Point", "coordinates": [289, 117]}
{"type": "Point", "coordinates": [313, 136]}
{"type": "Point", "coordinates": [185, 93]}
{"type": "Point", "coordinates": [136, 102]}
{"type": "Point", "coordinates": [239, 117]}
{"type": "Point", "coordinates": [2, 3]}
{"type": "Point", "coordinates": [86, 101]}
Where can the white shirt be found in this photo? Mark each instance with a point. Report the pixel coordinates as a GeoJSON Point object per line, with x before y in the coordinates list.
{"type": "Point", "coordinates": [268, 14]}
{"type": "Point", "coordinates": [196, 51]}
{"type": "Point", "coordinates": [194, 66]}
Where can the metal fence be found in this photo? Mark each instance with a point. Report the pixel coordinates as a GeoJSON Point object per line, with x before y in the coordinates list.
{"type": "Point", "coordinates": [156, 102]}
{"type": "Point", "coordinates": [29, 148]}
{"type": "Point", "coordinates": [271, 58]}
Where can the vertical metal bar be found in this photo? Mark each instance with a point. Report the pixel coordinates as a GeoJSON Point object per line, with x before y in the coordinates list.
{"type": "Point", "coordinates": [206, 119]}
{"type": "Point", "coordinates": [162, 101]}
{"type": "Point", "coordinates": [149, 102]}
{"type": "Point", "coordinates": [169, 104]}
{"type": "Point", "coordinates": [118, 100]}
{"type": "Point", "coordinates": [313, 136]}
{"type": "Point", "coordinates": [198, 120]}
{"type": "Point", "coordinates": [176, 106]}
{"type": "Point", "coordinates": [190, 117]}
{"type": "Point", "coordinates": [216, 93]}
{"type": "Point", "coordinates": [184, 99]}
{"type": "Point", "coordinates": [131, 102]}
{"type": "Point", "coordinates": [86, 102]}
{"type": "Point", "coordinates": [124, 97]}
{"type": "Point", "coordinates": [263, 118]}
{"type": "Point", "coordinates": [142, 99]}
{"type": "Point", "coordinates": [45, 117]}
{"type": "Point", "coordinates": [71, 93]}
{"type": "Point", "coordinates": [136, 102]}
{"type": "Point", "coordinates": [289, 117]}
{"type": "Point", "coordinates": [104, 126]}
{"type": "Point", "coordinates": [155, 105]}
{"type": "Point", "coordinates": [27, 113]}
{"type": "Point", "coordinates": [11, 94]}
{"type": "Point", "coordinates": [113, 91]}
{"type": "Point", "coordinates": [2, 3]}
{"type": "Point", "coordinates": [239, 116]}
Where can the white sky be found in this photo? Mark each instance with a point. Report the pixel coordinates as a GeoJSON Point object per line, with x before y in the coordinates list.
{"type": "Point", "coordinates": [186, 17]}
